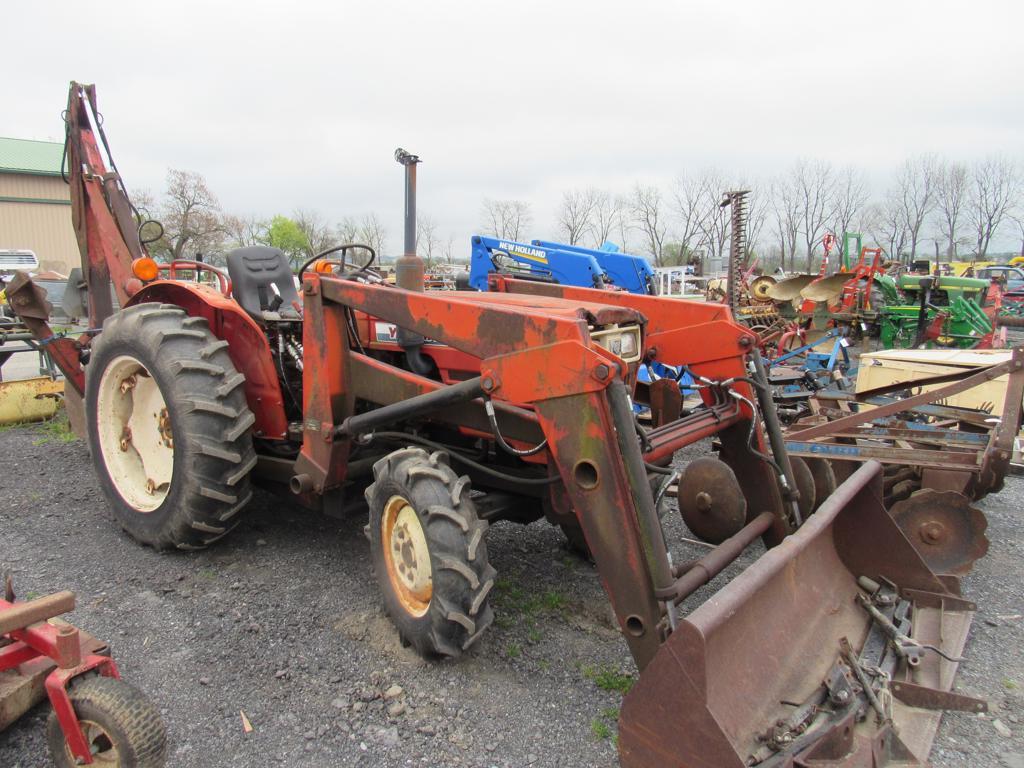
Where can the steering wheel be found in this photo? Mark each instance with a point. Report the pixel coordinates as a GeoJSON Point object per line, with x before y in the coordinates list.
{"type": "Point", "coordinates": [344, 249]}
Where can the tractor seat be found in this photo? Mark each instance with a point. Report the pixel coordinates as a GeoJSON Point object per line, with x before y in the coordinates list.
{"type": "Point", "coordinates": [262, 282]}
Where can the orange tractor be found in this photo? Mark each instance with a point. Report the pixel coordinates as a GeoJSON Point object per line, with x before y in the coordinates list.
{"type": "Point", "coordinates": [452, 409]}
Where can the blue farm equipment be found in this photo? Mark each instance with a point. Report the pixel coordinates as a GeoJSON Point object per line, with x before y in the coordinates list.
{"type": "Point", "coordinates": [625, 271]}
{"type": "Point", "coordinates": [530, 262]}
{"type": "Point", "coordinates": [547, 261]}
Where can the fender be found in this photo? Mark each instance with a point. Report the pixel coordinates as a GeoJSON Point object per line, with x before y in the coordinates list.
{"type": "Point", "coordinates": [247, 345]}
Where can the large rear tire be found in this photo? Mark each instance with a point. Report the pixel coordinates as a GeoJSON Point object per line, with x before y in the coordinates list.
{"type": "Point", "coordinates": [168, 427]}
{"type": "Point", "coordinates": [429, 553]}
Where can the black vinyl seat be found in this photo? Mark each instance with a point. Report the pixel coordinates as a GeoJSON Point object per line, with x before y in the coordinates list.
{"type": "Point", "coordinates": [259, 275]}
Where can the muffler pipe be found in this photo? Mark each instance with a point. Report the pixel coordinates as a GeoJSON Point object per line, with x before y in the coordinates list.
{"type": "Point", "coordinates": [409, 266]}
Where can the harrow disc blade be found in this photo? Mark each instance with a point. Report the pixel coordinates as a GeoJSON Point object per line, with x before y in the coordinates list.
{"type": "Point", "coordinates": [711, 501]}
{"type": "Point", "coordinates": [805, 485]}
{"type": "Point", "coordinates": [944, 528]}
{"type": "Point", "coordinates": [789, 289]}
{"type": "Point", "coordinates": [824, 478]}
{"type": "Point", "coordinates": [826, 289]}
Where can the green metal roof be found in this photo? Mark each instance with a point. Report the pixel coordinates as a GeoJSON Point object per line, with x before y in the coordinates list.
{"type": "Point", "coordinates": [27, 156]}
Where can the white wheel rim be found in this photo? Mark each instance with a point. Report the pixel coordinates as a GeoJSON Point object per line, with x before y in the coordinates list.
{"type": "Point", "coordinates": [135, 436]}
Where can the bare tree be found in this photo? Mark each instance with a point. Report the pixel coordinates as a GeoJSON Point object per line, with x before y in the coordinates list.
{"type": "Point", "coordinates": [373, 233]}
{"type": "Point", "coordinates": [347, 230]}
{"type": "Point", "coordinates": [316, 230]}
{"type": "Point", "coordinates": [785, 212]}
{"type": "Point", "coordinates": [648, 215]}
{"type": "Point", "coordinates": [713, 221]}
{"type": "Point", "coordinates": [507, 219]}
{"type": "Point", "coordinates": [190, 214]}
{"type": "Point", "coordinates": [757, 214]}
{"type": "Point", "coordinates": [624, 221]}
{"type": "Point", "coordinates": [427, 242]}
{"type": "Point", "coordinates": [690, 206]}
{"type": "Point", "coordinates": [813, 183]}
{"type": "Point", "coordinates": [243, 231]}
{"type": "Point", "coordinates": [449, 250]}
{"type": "Point", "coordinates": [994, 184]}
{"type": "Point", "coordinates": [951, 191]}
{"type": "Point", "coordinates": [887, 225]}
{"type": "Point", "coordinates": [915, 194]}
{"type": "Point", "coordinates": [144, 202]}
{"type": "Point", "coordinates": [576, 214]}
{"type": "Point", "coordinates": [850, 195]}
{"type": "Point", "coordinates": [606, 217]}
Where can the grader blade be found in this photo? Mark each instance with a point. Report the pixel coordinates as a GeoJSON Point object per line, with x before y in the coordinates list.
{"type": "Point", "coordinates": [838, 647]}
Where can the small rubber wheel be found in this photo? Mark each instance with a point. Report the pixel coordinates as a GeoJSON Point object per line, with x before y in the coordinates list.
{"type": "Point", "coordinates": [122, 727]}
{"type": "Point", "coordinates": [168, 427]}
{"type": "Point", "coordinates": [428, 551]}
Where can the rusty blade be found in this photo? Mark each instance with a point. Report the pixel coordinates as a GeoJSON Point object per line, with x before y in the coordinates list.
{"type": "Point", "coordinates": [944, 527]}
{"type": "Point", "coordinates": [710, 500]}
{"type": "Point", "coordinates": [773, 634]}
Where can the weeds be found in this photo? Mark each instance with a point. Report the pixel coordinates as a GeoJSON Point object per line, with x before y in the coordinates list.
{"type": "Point", "coordinates": [600, 728]}
{"type": "Point", "coordinates": [608, 679]}
{"type": "Point", "coordinates": [514, 651]}
{"type": "Point", "coordinates": [553, 600]}
{"type": "Point", "coordinates": [512, 600]}
{"type": "Point", "coordinates": [55, 430]}
{"type": "Point", "coordinates": [603, 724]}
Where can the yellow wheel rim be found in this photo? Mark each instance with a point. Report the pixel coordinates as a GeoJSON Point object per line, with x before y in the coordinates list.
{"type": "Point", "coordinates": [406, 556]}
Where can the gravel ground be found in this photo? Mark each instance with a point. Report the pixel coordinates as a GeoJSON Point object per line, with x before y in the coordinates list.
{"type": "Point", "coordinates": [282, 621]}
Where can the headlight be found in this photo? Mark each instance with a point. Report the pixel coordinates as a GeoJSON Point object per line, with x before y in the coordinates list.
{"type": "Point", "coordinates": [624, 342]}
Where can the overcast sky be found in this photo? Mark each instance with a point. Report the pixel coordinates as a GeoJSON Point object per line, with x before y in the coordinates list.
{"type": "Point", "coordinates": [297, 104]}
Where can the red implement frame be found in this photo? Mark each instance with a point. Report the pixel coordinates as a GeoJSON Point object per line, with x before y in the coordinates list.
{"type": "Point", "coordinates": [64, 646]}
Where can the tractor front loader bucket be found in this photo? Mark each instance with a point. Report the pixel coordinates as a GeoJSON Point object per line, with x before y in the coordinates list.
{"type": "Point", "coordinates": [836, 648]}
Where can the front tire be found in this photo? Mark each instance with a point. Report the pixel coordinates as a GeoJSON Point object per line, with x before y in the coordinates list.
{"type": "Point", "coordinates": [168, 427]}
{"type": "Point", "coordinates": [429, 554]}
{"type": "Point", "coordinates": [121, 726]}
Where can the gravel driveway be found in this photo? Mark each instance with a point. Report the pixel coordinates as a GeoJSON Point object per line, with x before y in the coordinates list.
{"type": "Point", "coordinates": [282, 621]}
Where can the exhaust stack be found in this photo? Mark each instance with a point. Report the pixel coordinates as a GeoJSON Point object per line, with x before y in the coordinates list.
{"type": "Point", "coordinates": [409, 266]}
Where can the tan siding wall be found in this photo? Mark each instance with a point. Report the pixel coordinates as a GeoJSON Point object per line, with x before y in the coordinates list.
{"type": "Point", "coordinates": [44, 228]}
{"type": "Point", "coordinates": [39, 187]}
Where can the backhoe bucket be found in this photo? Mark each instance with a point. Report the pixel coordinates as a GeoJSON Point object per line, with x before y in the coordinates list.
{"type": "Point", "coordinates": [818, 654]}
